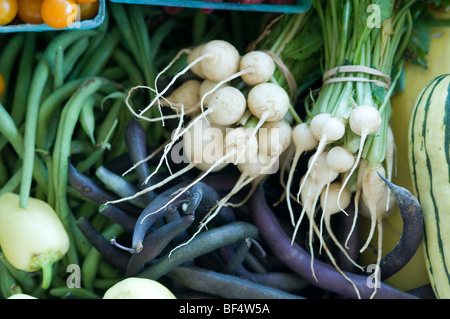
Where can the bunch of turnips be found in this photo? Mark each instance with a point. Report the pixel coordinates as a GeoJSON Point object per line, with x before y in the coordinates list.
{"type": "Point", "coordinates": [238, 115]}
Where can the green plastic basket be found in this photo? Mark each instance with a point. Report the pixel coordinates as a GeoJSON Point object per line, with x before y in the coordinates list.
{"type": "Point", "coordinates": [299, 6]}
{"type": "Point", "coordinates": [77, 25]}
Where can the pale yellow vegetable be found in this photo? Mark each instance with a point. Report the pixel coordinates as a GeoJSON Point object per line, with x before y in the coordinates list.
{"type": "Point", "coordinates": [31, 239]}
{"type": "Point", "coordinates": [21, 296]}
{"type": "Point", "coordinates": [138, 288]}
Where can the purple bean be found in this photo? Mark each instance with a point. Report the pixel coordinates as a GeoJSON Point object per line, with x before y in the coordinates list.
{"type": "Point", "coordinates": [286, 281]}
{"type": "Point", "coordinates": [136, 142]}
{"type": "Point", "coordinates": [155, 242]}
{"type": "Point", "coordinates": [151, 214]}
{"type": "Point", "coordinates": [299, 261]}
{"type": "Point", "coordinates": [204, 243]}
{"type": "Point", "coordinates": [209, 199]}
{"type": "Point", "coordinates": [226, 286]}
{"type": "Point", "coordinates": [115, 256]}
{"type": "Point", "coordinates": [412, 233]}
{"type": "Point", "coordinates": [94, 192]}
{"type": "Point", "coordinates": [172, 215]}
{"type": "Point", "coordinates": [127, 221]}
{"type": "Point", "coordinates": [235, 259]}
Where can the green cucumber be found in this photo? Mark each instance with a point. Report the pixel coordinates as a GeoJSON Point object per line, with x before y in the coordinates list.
{"type": "Point", "coordinates": [429, 161]}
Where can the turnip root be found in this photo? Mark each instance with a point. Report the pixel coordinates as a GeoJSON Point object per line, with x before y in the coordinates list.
{"type": "Point", "coordinates": [217, 59]}
{"type": "Point", "coordinates": [269, 102]}
{"type": "Point", "coordinates": [303, 141]}
{"type": "Point", "coordinates": [330, 206]}
{"type": "Point", "coordinates": [373, 189]}
{"type": "Point", "coordinates": [325, 128]}
{"type": "Point", "coordinates": [259, 65]}
{"type": "Point", "coordinates": [363, 121]}
{"type": "Point", "coordinates": [274, 137]}
{"type": "Point", "coordinates": [320, 176]}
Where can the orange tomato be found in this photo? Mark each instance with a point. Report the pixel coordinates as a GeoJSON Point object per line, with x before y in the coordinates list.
{"type": "Point", "coordinates": [30, 11]}
{"type": "Point", "coordinates": [2, 84]}
{"type": "Point", "coordinates": [59, 14]}
{"type": "Point", "coordinates": [88, 10]}
{"type": "Point", "coordinates": [8, 11]}
{"type": "Point", "coordinates": [86, 1]}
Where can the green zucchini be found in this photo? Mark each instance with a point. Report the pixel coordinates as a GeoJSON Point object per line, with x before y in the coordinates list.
{"type": "Point", "coordinates": [429, 161]}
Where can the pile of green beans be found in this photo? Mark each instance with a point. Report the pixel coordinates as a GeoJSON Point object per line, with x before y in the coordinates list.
{"type": "Point", "coordinates": [64, 96]}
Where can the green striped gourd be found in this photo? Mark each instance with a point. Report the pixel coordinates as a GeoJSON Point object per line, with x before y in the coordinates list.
{"type": "Point", "coordinates": [429, 161]}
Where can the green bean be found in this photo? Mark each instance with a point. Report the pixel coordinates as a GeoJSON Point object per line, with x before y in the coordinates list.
{"type": "Point", "coordinates": [8, 284]}
{"type": "Point", "coordinates": [87, 118]}
{"type": "Point", "coordinates": [81, 243]}
{"type": "Point", "coordinates": [23, 278]}
{"type": "Point", "coordinates": [48, 108]}
{"type": "Point", "coordinates": [198, 27]}
{"type": "Point", "coordinates": [50, 193]}
{"type": "Point", "coordinates": [119, 14]}
{"type": "Point", "coordinates": [68, 121]}
{"type": "Point", "coordinates": [4, 174]}
{"type": "Point", "coordinates": [12, 185]}
{"type": "Point", "coordinates": [73, 55]}
{"type": "Point", "coordinates": [104, 284]}
{"type": "Point", "coordinates": [128, 65]}
{"type": "Point", "coordinates": [37, 85]}
{"type": "Point", "coordinates": [116, 113]}
{"type": "Point", "coordinates": [96, 155]}
{"type": "Point", "coordinates": [113, 73]}
{"type": "Point", "coordinates": [137, 22]}
{"type": "Point", "coordinates": [201, 244]}
{"type": "Point", "coordinates": [159, 35]}
{"type": "Point", "coordinates": [64, 40]}
{"type": "Point", "coordinates": [12, 134]}
{"type": "Point", "coordinates": [100, 222]}
{"type": "Point", "coordinates": [100, 57]}
{"type": "Point", "coordinates": [23, 81]}
{"type": "Point", "coordinates": [107, 271]}
{"type": "Point", "coordinates": [94, 43]}
{"type": "Point", "coordinates": [87, 209]}
{"type": "Point", "coordinates": [58, 72]}
{"type": "Point", "coordinates": [7, 60]}
{"type": "Point", "coordinates": [9, 130]}
{"type": "Point", "coordinates": [67, 292]}
{"type": "Point", "coordinates": [112, 115]}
